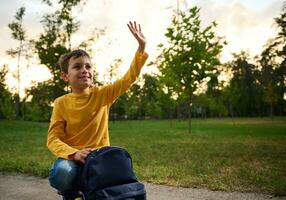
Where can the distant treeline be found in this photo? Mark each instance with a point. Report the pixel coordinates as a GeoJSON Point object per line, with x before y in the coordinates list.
{"type": "Point", "coordinates": [191, 81]}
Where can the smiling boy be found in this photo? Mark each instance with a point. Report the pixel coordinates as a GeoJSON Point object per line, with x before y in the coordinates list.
{"type": "Point", "coordinates": [79, 122]}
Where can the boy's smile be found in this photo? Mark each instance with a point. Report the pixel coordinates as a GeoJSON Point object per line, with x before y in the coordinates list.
{"type": "Point", "coordinates": [79, 74]}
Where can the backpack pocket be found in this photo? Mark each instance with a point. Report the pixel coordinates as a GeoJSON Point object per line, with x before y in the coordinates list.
{"type": "Point", "coordinates": [132, 191]}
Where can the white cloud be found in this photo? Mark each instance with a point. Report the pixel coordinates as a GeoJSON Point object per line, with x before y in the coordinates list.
{"type": "Point", "coordinates": [244, 25]}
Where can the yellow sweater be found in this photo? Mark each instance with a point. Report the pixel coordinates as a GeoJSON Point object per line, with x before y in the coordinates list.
{"type": "Point", "coordinates": [81, 120]}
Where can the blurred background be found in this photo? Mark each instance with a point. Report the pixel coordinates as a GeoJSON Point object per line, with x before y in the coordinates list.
{"type": "Point", "coordinates": [212, 58]}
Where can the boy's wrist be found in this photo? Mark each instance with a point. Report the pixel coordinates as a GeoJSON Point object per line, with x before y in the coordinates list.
{"type": "Point", "coordinates": [141, 49]}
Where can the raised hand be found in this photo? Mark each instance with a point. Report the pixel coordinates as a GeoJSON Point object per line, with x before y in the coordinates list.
{"type": "Point", "coordinates": [136, 31]}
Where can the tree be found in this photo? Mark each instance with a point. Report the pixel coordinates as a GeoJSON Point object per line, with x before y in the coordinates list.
{"type": "Point", "coordinates": [268, 78]}
{"type": "Point", "coordinates": [51, 45]}
{"type": "Point", "coordinates": [18, 33]}
{"type": "Point", "coordinates": [118, 109]}
{"type": "Point", "coordinates": [150, 96]}
{"type": "Point", "coordinates": [191, 56]}
{"type": "Point", "coordinates": [243, 89]}
{"type": "Point", "coordinates": [281, 55]}
{"type": "Point", "coordinates": [54, 41]}
{"type": "Point", "coordinates": [112, 71]}
{"type": "Point", "coordinates": [6, 98]}
{"type": "Point", "coordinates": [133, 106]}
{"type": "Point", "coordinates": [66, 19]}
{"type": "Point", "coordinates": [230, 97]}
{"type": "Point", "coordinates": [201, 104]}
{"type": "Point", "coordinates": [110, 77]}
{"type": "Point", "coordinates": [39, 109]}
{"type": "Point", "coordinates": [272, 75]}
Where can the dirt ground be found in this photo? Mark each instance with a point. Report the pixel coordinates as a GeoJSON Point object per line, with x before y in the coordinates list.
{"type": "Point", "coordinates": [21, 187]}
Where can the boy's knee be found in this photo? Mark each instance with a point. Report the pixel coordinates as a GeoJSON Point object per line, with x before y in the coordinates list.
{"type": "Point", "coordinates": [63, 174]}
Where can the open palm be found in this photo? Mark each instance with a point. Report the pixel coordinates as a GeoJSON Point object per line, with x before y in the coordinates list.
{"type": "Point", "coordinates": [136, 31]}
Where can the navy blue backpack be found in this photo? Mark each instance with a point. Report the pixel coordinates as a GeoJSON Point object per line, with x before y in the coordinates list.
{"type": "Point", "coordinates": [108, 175]}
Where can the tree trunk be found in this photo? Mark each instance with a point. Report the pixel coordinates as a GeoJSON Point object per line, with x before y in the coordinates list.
{"type": "Point", "coordinates": [231, 112]}
{"type": "Point", "coordinates": [19, 82]}
{"type": "Point", "coordinates": [178, 112]}
{"type": "Point", "coordinates": [271, 111]}
{"type": "Point", "coordinates": [190, 113]}
{"type": "Point", "coordinates": [170, 117]}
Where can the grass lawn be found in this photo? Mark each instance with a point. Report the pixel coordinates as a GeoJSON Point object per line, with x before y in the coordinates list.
{"type": "Point", "coordinates": [220, 154]}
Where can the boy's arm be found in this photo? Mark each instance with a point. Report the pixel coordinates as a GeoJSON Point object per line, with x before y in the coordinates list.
{"type": "Point", "coordinates": [120, 86]}
{"type": "Point", "coordinates": [56, 134]}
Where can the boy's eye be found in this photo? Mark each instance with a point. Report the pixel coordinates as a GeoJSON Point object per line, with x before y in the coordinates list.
{"type": "Point", "coordinates": [77, 66]}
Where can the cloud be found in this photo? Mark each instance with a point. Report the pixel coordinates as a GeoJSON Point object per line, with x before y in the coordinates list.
{"type": "Point", "coordinates": [31, 21]}
{"type": "Point", "coordinates": [244, 26]}
{"type": "Point", "coordinates": [114, 15]}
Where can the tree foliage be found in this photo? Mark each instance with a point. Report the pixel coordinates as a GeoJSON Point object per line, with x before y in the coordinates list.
{"type": "Point", "coordinates": [18, 33]}
{"type": "Point", "coordinates": [188, 63]}
{"type": "Point", "coordinates": [243, 88]}
{"type": "Point", "coordinates": [7, 110]}
{"type": "Point", "coordinates": [272, 76]}
{"type": "Point", "coordinates": [54, 41]}
{"type": "Point", "coordinates": [191, 55]}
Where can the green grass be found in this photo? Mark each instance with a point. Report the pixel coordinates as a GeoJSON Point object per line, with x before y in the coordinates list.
{"type": "Point", "coordinates": [246, 155]}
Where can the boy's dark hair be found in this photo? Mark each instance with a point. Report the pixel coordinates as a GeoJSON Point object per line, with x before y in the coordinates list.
{"type": "Point", "coordinates": [64, 59]}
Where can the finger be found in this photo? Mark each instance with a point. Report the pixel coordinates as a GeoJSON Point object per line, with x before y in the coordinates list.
{"type": "Point", "coordinates": [131, 25]}
{"type": "Point", "coordinates": [82, 161]}
{"type": "Point", "coordinates": [89, 149]}
{"type": "Point", "coordinates": [139, 27]}
{"type": "Point", "coordinates": [84, 154]}
{"type": "Point", "coordinates": [131, 29]}
{"type": "Point", "coordinates": [135, 26]}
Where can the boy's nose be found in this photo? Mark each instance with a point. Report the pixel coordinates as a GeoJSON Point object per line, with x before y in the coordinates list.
{"type": "Point", "coordinates": [84, 69]}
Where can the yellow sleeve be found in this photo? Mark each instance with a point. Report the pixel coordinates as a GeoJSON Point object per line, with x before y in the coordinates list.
{"type": "Point", "coordinates": [113, 91]}
{"type": "Point", "coordinates": [56, 134]}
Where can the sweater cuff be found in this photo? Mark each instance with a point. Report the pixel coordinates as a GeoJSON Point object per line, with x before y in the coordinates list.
{"type": "Point", "coordinates": [141, 55]}
{"type": "Point", "coordinates": [68, 153]}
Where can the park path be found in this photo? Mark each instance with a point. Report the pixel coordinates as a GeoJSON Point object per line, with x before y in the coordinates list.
{"type": "Point", "coordinates": [22, 187]}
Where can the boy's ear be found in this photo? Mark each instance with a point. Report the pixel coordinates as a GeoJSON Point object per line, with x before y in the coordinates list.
{"type": "Point", "coordinates": [64, 76]}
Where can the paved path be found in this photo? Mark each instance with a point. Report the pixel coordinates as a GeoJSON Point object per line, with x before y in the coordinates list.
{"type": "Point", "coordinates": [20, 187]}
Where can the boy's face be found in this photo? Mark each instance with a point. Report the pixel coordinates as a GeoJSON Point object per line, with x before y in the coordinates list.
{"type": "Point", "coordinates": [80, 73]}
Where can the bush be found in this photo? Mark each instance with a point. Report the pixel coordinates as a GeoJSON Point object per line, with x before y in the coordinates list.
{"type": "Point", "coordinates": [36, 112]}
{"type": "Point", "coordinates": [7, 110]}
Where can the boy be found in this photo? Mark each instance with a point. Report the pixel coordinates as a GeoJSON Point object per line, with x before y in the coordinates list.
{"type": "Point", "coordinates": [79, 122]}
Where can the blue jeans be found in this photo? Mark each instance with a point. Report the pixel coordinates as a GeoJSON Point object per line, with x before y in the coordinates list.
{"type": "Point", "coordinates": [64, 175]}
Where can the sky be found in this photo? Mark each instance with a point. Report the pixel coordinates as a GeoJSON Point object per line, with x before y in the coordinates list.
{"type": "Point", "coordinates": [245, 24]}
